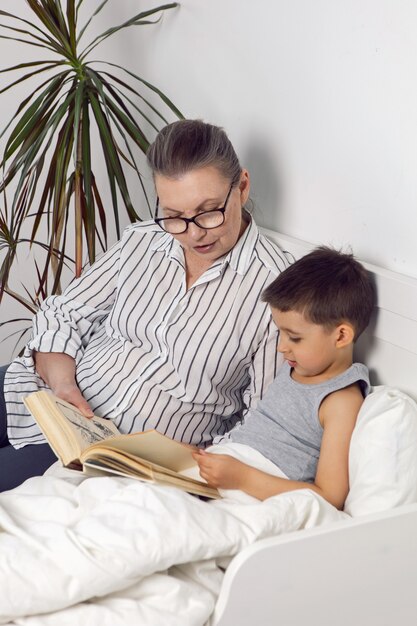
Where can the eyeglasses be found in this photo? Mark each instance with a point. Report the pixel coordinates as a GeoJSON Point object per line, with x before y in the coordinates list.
{"type": "Point", "coordinates": [206, 219]}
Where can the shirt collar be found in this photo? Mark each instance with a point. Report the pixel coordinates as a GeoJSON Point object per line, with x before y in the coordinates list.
{"type": "Point", "coordinates": [166, 243]}
{"type": "Point", "coordinates": [240, 255]}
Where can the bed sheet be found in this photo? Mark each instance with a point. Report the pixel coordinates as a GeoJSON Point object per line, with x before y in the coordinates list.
{"type": "Point", "coordinates": [114, 551]}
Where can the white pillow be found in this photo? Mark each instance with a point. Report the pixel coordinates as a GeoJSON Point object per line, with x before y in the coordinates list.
{"type": "Point", "coordinates": [383, 453]}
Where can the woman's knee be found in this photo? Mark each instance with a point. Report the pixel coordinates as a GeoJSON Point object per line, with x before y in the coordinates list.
{"type": "Point", "coordinates": [3, 413]}
{"type": "Point", "coordinates": [16, 466]}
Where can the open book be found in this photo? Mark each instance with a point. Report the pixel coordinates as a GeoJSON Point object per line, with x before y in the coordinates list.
{"type": "Point", "coordinates": [96, 446]}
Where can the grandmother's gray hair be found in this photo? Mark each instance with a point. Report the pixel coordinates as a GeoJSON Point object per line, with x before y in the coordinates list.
{"type": "Point", "coordinates": [192, 144]}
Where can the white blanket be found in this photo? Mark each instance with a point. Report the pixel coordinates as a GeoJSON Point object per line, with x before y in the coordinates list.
{"type": "Point", "coordinates": [118, 552]}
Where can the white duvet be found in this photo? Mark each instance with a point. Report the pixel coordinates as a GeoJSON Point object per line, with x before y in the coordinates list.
{"type": "Point", "coordinates": [112, 551]}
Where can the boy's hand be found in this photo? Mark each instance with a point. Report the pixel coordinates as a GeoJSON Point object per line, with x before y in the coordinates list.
{"type": "Point", "coordinates": [220, 470]}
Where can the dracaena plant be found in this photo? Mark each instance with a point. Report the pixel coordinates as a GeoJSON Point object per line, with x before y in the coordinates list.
{"type": "Point", "coordinates": [48, 145]}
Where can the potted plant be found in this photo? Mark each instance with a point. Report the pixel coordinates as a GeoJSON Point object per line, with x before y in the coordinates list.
{"type": "Point", "coordinates": [48, 153]}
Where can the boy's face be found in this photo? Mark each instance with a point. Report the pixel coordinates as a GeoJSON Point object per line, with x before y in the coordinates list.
{"type": "Point", "coordinates": [310, 349]}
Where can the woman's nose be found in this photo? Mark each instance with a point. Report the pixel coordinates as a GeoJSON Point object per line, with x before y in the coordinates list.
{"type": "Point", "coordinates": [195, 232]}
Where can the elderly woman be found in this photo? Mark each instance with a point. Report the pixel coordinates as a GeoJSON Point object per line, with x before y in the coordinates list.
{"type": "Point", "coordinates": [166, 330]}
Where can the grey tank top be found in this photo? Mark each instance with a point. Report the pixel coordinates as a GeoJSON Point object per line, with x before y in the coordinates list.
{"type": "Point", "coordinates": [285, 425]}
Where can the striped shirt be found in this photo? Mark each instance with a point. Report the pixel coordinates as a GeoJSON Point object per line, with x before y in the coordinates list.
{"type": "Point", "coordinates": [151, 354]}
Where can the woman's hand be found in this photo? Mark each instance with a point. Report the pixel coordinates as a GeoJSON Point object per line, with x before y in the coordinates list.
{"type": "Point", "coordinates": [58, 371]}
{"type": "Point", "coordinates": [71, 393]}
{"type": "Point", "coordinates": [221, 470]}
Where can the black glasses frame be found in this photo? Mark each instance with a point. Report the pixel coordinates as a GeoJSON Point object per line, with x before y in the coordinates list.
{"type": "Point", "coordinates": [192, 220]}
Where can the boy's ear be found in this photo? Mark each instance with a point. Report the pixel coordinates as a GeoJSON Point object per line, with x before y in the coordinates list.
{"type": "Point", "coordinates": [345, 334]}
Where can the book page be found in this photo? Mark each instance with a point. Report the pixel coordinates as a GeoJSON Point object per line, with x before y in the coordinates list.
{"type": "Point", "coordinates": [153, 447]}
{"type": "Point", "coordinates": [89, 431]}
{"type": "Point", "coordinates": [66, 429]}
{"type": "Point", "coordinates": [94, 467]}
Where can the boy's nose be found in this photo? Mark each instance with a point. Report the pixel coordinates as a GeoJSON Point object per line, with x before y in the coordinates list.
{"type": "Point", "coordinates": [281, 345]}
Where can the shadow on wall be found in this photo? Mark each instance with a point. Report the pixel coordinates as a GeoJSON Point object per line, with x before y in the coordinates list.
{"type": "Point", "coordinates": [364, 347]}
{"type": "Point", "coordinates": [267, 188]}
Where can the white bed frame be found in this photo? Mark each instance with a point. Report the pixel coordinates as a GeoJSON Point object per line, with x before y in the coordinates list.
{"type": "Point", "coordinates": [359, 572]}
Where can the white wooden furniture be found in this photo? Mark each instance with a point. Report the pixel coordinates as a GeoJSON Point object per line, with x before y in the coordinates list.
{"type": "Point", "coordinates": [359, 572]}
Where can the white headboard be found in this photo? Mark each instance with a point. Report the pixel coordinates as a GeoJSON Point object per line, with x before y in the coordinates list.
{"type": "Point", "coordinates": [389, 345]}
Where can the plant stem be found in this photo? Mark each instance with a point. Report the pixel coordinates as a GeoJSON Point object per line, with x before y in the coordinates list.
{"type": "Point", "coordinates": [78, 201]}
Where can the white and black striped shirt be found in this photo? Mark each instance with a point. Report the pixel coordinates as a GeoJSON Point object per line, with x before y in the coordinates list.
{"type": "Point", "coordinates": [149, 352]}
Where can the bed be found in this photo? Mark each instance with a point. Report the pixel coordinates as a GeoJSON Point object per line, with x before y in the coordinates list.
{"type": "Point", "coordinates": [117, 552]}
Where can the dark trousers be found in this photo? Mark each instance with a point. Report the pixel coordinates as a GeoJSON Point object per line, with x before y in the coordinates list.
{"type": "Point", "coordinates": [18, 465]}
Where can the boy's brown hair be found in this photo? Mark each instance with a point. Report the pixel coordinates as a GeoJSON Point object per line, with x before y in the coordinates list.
{"type": "Point", "coordinates": [327, 287]}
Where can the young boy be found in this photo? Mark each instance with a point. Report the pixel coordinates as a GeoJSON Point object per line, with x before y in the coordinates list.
{"type": "Point", "coordinates": [303, 424]}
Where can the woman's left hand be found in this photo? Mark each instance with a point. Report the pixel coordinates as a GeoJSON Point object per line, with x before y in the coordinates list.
{"type": "Point", "coordinates": [220, 470]}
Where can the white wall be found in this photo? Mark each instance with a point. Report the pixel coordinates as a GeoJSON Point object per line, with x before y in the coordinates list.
{"type": "Point", "coordinates": [318, 96]}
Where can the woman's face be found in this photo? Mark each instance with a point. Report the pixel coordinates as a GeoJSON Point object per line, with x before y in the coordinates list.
{"type": "Point", "coordinates": [200, 190]}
